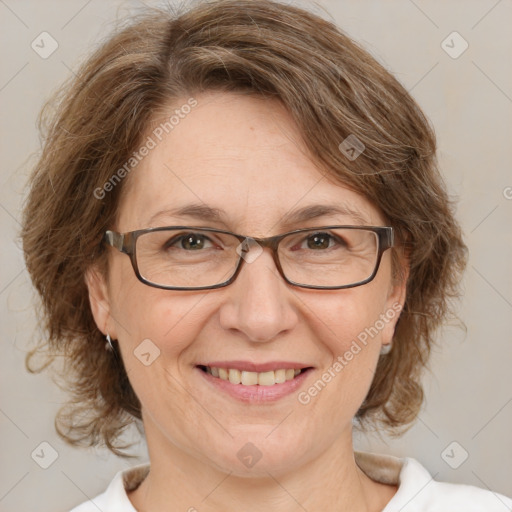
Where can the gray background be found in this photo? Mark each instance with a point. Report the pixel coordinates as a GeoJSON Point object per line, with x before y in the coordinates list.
{"type": "Point", "coordinates": [468, 99]}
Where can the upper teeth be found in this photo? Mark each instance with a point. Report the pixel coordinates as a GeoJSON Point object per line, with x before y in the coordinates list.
{"type": "Point", "coordinates": [251, 378]}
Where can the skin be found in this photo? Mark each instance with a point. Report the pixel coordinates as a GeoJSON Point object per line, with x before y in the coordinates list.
{"type": "Point", "coordinates": [244, 155]}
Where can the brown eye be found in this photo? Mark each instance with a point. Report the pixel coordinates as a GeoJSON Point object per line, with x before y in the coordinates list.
{"type": "Point", "coordinates": [319, 241]}
{"type": "Point", "coordinates": [193, 242]}
{"type": "Point", "coordinates": [189, 242]}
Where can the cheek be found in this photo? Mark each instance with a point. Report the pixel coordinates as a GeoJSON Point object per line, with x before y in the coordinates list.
{"type": "Point", "coordinates": [171, 322]}
{"type": "Point", "coordinates": [346, 316]}
{"type": "Point", "coordinates": [157, 343]}
{"type": "Point", "coordinates": [155, 329]}
{"type": "Point", "coordinates": [348, 324]}
{"type": "Point", "coordinates": [144, 312]}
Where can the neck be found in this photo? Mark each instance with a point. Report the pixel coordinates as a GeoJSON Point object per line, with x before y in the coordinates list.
{"type": "Point", "coordinates": [179, 481]}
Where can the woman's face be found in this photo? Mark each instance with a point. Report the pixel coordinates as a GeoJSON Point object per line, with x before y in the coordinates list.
{"type": "Point", "coordinates": [242, 156]}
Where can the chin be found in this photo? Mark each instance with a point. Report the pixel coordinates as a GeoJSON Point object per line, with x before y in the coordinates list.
{"type": "Point", "coordinates": [257, 454]}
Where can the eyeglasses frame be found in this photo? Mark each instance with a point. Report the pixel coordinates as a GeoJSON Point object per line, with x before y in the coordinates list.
{"type": "Point", "coordinates": [126, 243]}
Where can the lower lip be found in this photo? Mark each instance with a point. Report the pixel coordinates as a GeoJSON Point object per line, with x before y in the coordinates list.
{"type": "Point", "coordinates": [256, 393]}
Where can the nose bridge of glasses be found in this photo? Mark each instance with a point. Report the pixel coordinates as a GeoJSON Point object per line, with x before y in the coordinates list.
{"type": "Point", "coordinates": [251, 248]}
{"type": "Point", "coordinates": [250, 242]}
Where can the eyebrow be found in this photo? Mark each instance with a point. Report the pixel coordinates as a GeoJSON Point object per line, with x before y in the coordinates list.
{"type": "Point", "coordinates": [207, 213]}
{"type": "Point", "coordinates": [321, 210]}
{"type": "Point", "coordinates": [196, 211]}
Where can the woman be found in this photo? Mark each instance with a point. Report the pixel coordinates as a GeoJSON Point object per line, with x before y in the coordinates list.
{"type": "Point", "coordinates": [246, 246]}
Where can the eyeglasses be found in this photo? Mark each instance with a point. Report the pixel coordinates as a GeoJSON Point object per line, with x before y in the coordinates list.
{"type": "Point", "coordinates": [190, 258]}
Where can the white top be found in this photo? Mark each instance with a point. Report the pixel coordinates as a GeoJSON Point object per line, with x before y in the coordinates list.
{"type": "Point", "coordinates": [417, 490]}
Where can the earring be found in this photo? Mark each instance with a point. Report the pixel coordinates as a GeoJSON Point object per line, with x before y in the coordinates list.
{"type": "Point", "coordinates": [386, 349]}
{"type": "Point", "coordinates": [108, 344]}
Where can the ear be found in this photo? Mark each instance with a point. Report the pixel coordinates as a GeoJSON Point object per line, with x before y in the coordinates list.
{"type": "Point", "coordinates": [100, 301]}
{"type": "Point", "coordinates": [395, 300]}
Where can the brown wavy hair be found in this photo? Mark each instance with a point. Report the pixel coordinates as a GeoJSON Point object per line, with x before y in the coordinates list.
{"type": "Point", "coordinates": [331, 86]}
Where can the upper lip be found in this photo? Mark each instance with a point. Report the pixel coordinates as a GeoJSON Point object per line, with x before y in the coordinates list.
{"type": "Point", "coordinates": [250, 366]}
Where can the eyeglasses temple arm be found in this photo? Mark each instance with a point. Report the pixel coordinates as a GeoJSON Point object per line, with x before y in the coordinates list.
{"type": "Point", "coordinates": [115, 240]}
{"type": "Point", "coordinates": [388, 240]}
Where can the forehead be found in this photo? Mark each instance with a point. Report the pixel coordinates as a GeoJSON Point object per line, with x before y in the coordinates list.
{"type": "Point", "coordinates": [239, 155]}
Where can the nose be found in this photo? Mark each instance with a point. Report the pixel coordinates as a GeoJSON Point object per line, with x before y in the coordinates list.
{"type": "Point", "coordinates": [258, 302]}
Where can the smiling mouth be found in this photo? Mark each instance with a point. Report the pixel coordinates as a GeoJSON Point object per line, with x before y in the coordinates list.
{"type": "Point", "coordinates": [246, 378]}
